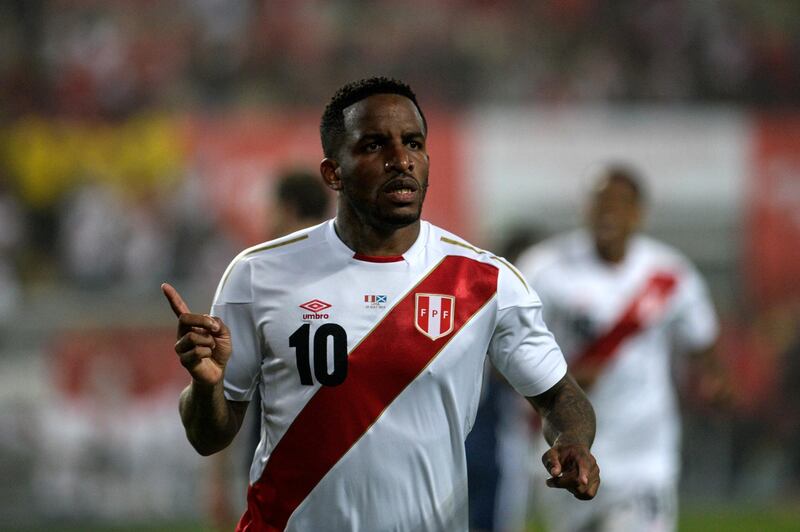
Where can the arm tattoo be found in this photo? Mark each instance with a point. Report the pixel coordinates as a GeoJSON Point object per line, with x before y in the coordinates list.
{"type": "Point", "coordinates": [567, 414]}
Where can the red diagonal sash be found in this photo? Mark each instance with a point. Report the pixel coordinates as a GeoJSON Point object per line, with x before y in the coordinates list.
{"type": "Point", "coordinates": [644, 307]}
{"type": "Point", "coordinates": [379, 368]}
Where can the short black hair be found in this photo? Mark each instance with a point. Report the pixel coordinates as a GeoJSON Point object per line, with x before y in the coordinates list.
{"type": "Point", "coordinates": [304, 192]}
{"type": "Point", "coordinates": [626, 175]}
{"type": "Point", "coordinates": [331, 127]}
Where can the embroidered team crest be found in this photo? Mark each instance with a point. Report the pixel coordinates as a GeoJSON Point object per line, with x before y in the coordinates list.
{"type": "Point", "coordinates": [433, 314]}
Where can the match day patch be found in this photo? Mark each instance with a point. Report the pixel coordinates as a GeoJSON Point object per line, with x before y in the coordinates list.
{"type": "Point", "coordinates": [433, 314]}
{"type": "Point", "coordinates": [375, 301]}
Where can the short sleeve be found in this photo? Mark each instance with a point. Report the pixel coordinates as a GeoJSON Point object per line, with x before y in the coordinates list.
{"type": "Point", "coordinates": [695, 323]}
{"type": "Point", "coordinates": [233, 304]}
{"type": "Point", "coordinates": [525, 351]}
{"type": "Point", "coordinates": [512, 289]}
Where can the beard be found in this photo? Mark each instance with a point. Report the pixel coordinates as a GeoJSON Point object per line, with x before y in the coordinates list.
{"type": "Point", "coordinates": [386, 217]}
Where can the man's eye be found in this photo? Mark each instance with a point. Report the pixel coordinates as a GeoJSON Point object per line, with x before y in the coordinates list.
{"type": "Point", "coordinates": [372, 146]}
{"type": "Point", "coordinates": [414, 145]}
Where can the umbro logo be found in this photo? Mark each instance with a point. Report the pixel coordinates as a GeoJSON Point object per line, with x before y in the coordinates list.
{"type": "Point", "coordinates": [315, 308]}
{"type": "Point", "coordinates": [315, 305]}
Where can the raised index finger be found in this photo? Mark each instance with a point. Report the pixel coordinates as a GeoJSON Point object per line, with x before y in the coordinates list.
{"type": "Point", "coordinates": [175, 300]}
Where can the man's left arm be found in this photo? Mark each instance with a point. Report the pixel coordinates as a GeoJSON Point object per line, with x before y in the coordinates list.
{"type": "Point", "coordinates": [695, 334]}
{"type": "Point", "coordinates": [569, 427]}
{"type": "Point", "coordinates": [524, 350]}
{"type": "Point", "coordinates": [711, 385]}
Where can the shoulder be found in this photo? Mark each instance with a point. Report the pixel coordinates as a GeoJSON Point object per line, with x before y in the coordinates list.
{"type": "Point", "coordinates": [654, 255]}
{"type": "Point", "coordinates": [237, 279]}
{"type": "Point", "coordinates": [660, 253]}
{"type": "Point", "coordinates": [451, 244]}
{"type": "Point", "coordinates": [448, 244]}
{"type": "Point", "coordinates": [292, 243]}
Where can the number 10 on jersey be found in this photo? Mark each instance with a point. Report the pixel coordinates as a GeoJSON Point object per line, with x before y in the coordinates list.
{"type": "Point", "coordinates": [305, 350]}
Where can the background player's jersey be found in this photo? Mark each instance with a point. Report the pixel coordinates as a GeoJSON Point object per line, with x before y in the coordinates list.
{"type": "Point", "coordinates": [631, 316]}
{"type": "Point", "coordinates": [370, 372]}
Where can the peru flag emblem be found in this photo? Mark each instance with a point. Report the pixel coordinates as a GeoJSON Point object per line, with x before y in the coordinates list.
{"type": "Point", "coordinates": [434, 314]}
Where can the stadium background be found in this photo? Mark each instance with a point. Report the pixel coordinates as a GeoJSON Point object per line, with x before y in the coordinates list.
{"type": "Point", "coordinates": [140, 138]}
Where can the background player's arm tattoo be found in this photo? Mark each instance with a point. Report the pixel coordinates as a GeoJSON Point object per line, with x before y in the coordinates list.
{"type": "Point", "coordinates": [567, 414]}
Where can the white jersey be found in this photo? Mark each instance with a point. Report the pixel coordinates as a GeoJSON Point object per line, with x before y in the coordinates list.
{"type": "Point", "coordinates": [370, 372]}
{"type": "Point", "coordinates": [632, 316]}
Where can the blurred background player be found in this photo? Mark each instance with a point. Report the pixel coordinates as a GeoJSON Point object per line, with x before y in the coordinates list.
{"type": "Point", "coordinates": [299, 200]}
{"type": "Point", "coordinates": [620, 304]}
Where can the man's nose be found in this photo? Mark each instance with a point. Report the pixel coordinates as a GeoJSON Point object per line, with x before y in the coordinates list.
{"type": "Point", "coordinates": [398, 160]}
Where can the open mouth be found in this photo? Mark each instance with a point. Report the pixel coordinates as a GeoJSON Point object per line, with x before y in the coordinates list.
{"type": "Point", "coordinates": [402, 189]}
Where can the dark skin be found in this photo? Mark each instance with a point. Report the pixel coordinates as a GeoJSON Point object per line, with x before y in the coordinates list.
{"type": "Point", "coordinates": [204, 348]}
{"type": "Point", "coordinates": [568, 424]}
{"type": "Point", "coordinates": [614, 214]}
{"type": "Point", "coordinates": [381, 174]}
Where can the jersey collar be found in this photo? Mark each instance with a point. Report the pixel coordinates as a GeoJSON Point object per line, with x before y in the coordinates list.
{"type": "Point", "coordinates": [341, 250]}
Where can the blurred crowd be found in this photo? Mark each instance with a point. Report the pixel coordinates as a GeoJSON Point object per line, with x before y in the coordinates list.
{"type": "Point", "coordinates": [99, 235]}
{"type": "Point", "coordinates": [108, 59]}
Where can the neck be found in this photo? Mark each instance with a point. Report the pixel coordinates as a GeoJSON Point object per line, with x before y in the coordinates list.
{"type": "Point", "coordinates": [375, 241]}
{"type": "Point", "coordinates": [612, 252]}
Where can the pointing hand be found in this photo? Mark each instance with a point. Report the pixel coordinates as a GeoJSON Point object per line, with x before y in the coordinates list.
{"type": "Point", "coordinates": [204, 342]}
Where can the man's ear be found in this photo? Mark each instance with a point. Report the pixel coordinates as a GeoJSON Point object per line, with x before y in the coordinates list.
{"type": "Point", "coordinates": [329, 169]}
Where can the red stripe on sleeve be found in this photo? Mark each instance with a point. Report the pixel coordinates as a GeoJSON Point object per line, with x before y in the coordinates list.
{"type": "Point", "coordinates": [379, 368]}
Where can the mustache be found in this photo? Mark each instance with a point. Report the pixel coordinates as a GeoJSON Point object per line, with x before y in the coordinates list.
{"type": "Point", "coordinates": [405, 180]}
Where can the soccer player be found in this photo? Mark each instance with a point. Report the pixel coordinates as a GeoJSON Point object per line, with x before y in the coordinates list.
{"type": "Point", "coordinates": [619, 303]}
{"type": "Point", "coordinates": [366, 336]}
